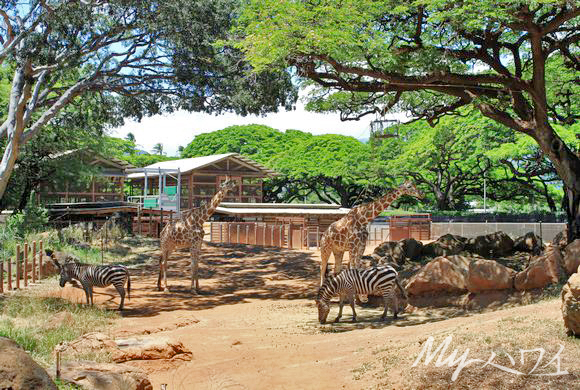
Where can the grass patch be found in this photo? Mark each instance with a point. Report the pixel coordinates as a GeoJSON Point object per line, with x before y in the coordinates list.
{"type": "Point", "coordinates": [29, 320]}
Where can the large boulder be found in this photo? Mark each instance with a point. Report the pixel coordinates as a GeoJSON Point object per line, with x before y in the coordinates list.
{"type": "Point", "coordinates": [494, 244]}
{"type": "Point", "coordinates": [571, 258]}
{"type": "Point", "coordinates": [122, 350]}
{"type": "Point", "coordinates": [561, 239]}
{"type": "Point", "coordinates": [489, 275]}
{"type": "Point", "coordinates": [542, 271]}
{"type": "Point", "coordinates": [389, 250]}
{"type": "Point", "coordinates": [571, 305]}
{"type": "Point", "coordinates": [440, 274]}
{"type": "Point", "coordinates": [19, 371]}
{"type": "Point", "coordinates": [411, 248]}
{"type": "Point", "coordinates": [529, 242]}
{"type": "Point", "coordinates": [104, 376]}
{"type": "Point", "coordinates": [445, 245]}
{"type": "Point", "coordinates": [398, 252]}
{"type": "Point", "coordinates": [147, 348]}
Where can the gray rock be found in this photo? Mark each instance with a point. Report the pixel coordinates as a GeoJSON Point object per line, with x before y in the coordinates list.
{"type": "Point", "coordinates": [18, 371]}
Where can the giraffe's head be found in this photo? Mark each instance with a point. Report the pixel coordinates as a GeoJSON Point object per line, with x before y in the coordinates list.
{"type": "Point", "coordinates": [408, 188]}
{"type": "Point", "coordinates": [228, 185]}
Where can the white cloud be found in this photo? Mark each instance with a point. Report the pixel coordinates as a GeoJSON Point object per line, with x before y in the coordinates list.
{"type": "Point", "coordinates": [181, 127]}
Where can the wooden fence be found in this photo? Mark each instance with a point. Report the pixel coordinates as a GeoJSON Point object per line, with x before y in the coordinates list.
{"type": "Point", "coordinates": [150, 223]}
{"type": "Point", "coordinates": [258, 233]}
{"type": "Point", "coordinates": [27, 268]}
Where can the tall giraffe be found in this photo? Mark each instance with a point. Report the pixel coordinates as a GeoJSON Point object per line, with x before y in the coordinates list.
{"type": "Point", "coordinates": [188, 232]}
{"type": "Point", "coordinates": [350, 232]}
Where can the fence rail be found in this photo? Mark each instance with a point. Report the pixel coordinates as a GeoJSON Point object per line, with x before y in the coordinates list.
{"type": "Point", "coordinates": [28, 267]}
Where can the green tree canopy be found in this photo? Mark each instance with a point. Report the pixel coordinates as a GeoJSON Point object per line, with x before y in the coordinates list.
{"type": "Point", "coordinates": [258, 142]}
{"type": "Point", "coordinates": [138, 57]}
{"type": "Point", "coordinates": [430, 58]}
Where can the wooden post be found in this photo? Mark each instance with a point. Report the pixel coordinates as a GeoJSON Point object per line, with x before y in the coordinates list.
{"type": "Point", "coordinates": [9, 274]}
{"type": "Point", "coordinates": [247, 235]}
{"type": "Point", "coordinates": [26, 246]}
{"type": "Point", "coordinates": [289, 236]}
{"type": "Point", "coordinates": [58, 365]}
{"type": "Point", "coordinates": [102, 250]}
{"type": "Point", "coordinates": [33, 261]}
{"type": "Point", "coordinates": [1, 276]}
{"type": "Point", "coordinates": [229, 232]}
{"type": "Point", "coordinates": [40, 255]}
{"type": "Point", "coordinates": [281, 239]}
{"type": "Point", "coordinates": [264, 242]}
{"type": "Point", "coordinates": [160, 223]}
{"type": "Point", "coordinates": [255, 233]}
{"type": "Point", "coordinates": [171, 217]}
{"type": "Point", "coordinates": [237, 233]}
{"type": "Point", "coordinates": [18, 266]}
{"type": "Point", "coordinates": [140, 228]}
{"type": "Point", "coordinates": [150, 226]}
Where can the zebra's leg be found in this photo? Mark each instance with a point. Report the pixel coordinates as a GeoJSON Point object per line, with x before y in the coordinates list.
{"type": "Point", "coordinates": [395, 303]}
{"type": "Point", "coordinates": [386, 301]}
{"type": "Point", "coordinates": [121, 291]}
{"type": "Point", "coordinates": [352, 299]}
{"type": "Point", "coordinates": [340, 306]}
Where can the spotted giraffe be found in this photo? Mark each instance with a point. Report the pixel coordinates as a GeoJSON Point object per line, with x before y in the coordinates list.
{"type": "Point", "coordinates": [188, 232]}
{"type": "Point", "coordinates": [350, 232]}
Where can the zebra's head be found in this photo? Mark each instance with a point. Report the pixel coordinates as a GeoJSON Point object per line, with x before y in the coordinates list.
{"type": "Point", "coordinates": [323, 300]}
{"type": "Point", "coordinates": [323, 310]}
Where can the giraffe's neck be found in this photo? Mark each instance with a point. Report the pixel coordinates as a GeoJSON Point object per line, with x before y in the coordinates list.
{"type": "Point", "coordinates": [208, 209]}
{"type": "Point", "coordinates": [370, 211]}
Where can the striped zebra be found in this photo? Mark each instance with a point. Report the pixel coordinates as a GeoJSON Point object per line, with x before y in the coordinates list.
{"type": "Point", "coordinates": [90, 276]}
{"type": "Point", "coordinates": [350, 282]}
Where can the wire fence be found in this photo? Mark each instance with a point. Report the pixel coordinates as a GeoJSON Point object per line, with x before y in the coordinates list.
{"type": "Point", "coordinates": [379, 232]}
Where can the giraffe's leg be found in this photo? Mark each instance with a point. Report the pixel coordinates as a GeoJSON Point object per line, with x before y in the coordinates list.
{"type": "Point", "coordinates": [338, 255]}
{"type": "Point", "coordinates": [355, 254]}
{"type": "Point", "coordinates": [324, 255]}
{"type": "Point", "coordinates": [166, 257]}
{"type": "Point", "coordinates": [160, 270]}
{"type": "Point", "coordinates": [195, 254]}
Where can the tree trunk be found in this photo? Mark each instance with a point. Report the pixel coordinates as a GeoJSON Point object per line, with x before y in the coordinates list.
{"type": "Point", "coordinates": [19, 96]}
{"type": "Point", "coordinates": [567, 165]}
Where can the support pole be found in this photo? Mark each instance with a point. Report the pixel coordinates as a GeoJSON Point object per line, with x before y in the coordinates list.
{"type": "Point", "coordinates": [9, 274]}
{"type": "Point", "coordinates": [33, 261]}
{"type": "Point", "coordinates": [40, 255]}
{"type": "Point", "coordinates": [178, 205]}
{"type": "Point", "coordinates": [25, 264]}
{"type": "Point", "coordinates": [18, 266]}
{"type": "Point", "coordinates": [1, 276]}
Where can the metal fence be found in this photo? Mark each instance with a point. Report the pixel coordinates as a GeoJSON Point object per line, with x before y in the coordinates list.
{"type": "Point", "coordinates": [514, 229]}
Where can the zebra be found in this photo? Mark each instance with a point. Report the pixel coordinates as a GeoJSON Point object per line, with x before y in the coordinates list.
{"type": "Point", "coordinates": [379, 279]}
{"type": "Point", "coordinates": [91, 276]}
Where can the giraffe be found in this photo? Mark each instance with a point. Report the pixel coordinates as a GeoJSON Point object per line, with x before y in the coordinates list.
{"type": "Point", "coordinates": [350, 232]}
{"type": "Point", "coordinates": [188, 232]}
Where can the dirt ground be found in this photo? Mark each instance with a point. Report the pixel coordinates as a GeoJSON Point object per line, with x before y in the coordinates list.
{"type": "Point", "coordinates": [254, 326]}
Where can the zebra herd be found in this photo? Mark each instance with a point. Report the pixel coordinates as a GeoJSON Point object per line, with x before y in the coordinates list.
{"type": "Point", "coordinates": [347, 284]}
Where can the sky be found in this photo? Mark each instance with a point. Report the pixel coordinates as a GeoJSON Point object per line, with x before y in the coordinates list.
{"type": "Point", "coordinates": [179, 128]}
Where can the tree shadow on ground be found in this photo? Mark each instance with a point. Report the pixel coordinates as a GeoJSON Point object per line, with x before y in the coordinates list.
{"type": "Point", "coordinates": [228, 274]}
